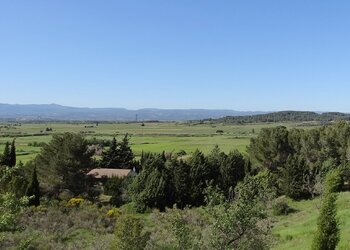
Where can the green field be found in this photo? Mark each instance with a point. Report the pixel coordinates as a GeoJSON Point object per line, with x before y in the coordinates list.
{"type": "Point", "coordinates": [152, 137]}
{"type": "Point", "coordinates": [296, 230]}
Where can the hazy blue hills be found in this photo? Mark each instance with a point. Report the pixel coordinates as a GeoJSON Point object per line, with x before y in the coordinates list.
{"type": "Point", "coordinates": [58, 112]}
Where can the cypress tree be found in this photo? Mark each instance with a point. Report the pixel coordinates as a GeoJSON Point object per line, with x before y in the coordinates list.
{"type": "Point", "coordinates": [232, 170]}
{"type": "Point", "coordinates": [34, 190]}
{"type": "Point", "coordinates": [327, 235]}
{"type": "Point", "coordinates": [110, 158]}
{"type": "Point", "coordinates": [125, 153]}
{"type": "Point", "coordinates": [12, 158]}
{"type": "Point", "coordinates": [182, 182]}
{"type": "Point", "coordinates": [6, 157]}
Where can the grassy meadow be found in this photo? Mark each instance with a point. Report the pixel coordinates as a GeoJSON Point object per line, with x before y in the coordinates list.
{"type": "Point", "coordinates": [152, 137]}
{"type": "Point", "coordinates": [296, 230]}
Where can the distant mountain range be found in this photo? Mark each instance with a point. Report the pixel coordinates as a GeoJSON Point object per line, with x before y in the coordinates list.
{"type": "Point", "coordinates": [57, 112]}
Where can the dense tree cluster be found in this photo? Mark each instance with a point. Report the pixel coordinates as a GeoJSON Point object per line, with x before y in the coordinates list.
{"type": "Point", "coordinates": [163, 182]}
{"type": "Point", "coordinates": [298, 158]}
{"type": "Point", "coordinates": [8, 158]}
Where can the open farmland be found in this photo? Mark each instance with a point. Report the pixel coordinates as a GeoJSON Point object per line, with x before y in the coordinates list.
{"type": "Point", "coordinates": [152, 137]}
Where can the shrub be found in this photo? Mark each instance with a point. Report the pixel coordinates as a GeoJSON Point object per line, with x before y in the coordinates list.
{"type": "Point", "coordinates": [10, 207]}
{"type": "Point", "coordinates": [129, 234]}
{"type": "Point", "coordinates": [75, 202]}
{"type": "Point", "coordinates": [114, 213]}
{"type": "Point", "coordinates": [181, 153]}
{"type": "Point", "coordinates": [281, 207]}
{"type": "Point", "coordinates": [55, 226]}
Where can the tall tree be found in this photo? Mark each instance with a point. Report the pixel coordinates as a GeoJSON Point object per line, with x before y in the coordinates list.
{"type": "Point", "coordinates": [6, 156]}
{"type": "Point", "coordinates": [33, 190]}
{"type": "Point", "coordinates": [110, 158]}
{"type": "Point", "coordinates": [152, 186]}
{"type": "Point", "coordinates": [200, 174]}
{"type": "Point", "coordinates": [327, 234]}
{"type": "Point", "coordinates": [12, 157]}
{"type": "Point", "coordinates": [182, 183]}
{"type": "Point", "coordinates": [291, 177]}
{"type": "Point", "coordinates": [125, 153]}
{"type": "Point", "coordinates": [232, 170]}
{"type": "Point", "coordinates": [64, 162]}
{"type": "Point", "coordinates": [271, 148]}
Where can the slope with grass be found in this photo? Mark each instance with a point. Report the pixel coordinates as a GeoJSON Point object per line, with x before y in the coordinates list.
{"type": "Point", "coordinates": [296, 230]}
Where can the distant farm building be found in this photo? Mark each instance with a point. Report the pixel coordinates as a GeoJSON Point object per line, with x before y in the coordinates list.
{"type": "Point", "coordinates": [102, 173]}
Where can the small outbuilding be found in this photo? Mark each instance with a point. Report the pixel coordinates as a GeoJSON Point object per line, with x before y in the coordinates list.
{"type": "Point", "coordinates": [102, 173]}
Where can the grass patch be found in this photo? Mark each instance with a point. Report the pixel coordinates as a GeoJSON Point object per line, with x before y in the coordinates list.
{"type": "Point", "coordinates": [296, 230]}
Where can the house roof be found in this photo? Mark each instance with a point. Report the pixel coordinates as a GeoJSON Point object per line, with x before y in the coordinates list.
{"type": "Point", "coordinates": [99, 173]}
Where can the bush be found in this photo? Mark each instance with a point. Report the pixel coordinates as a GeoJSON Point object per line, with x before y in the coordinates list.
{"type": "Point", "coordinates": [55, 226]}
{"type": "Point", "coordinates": [181, 153]}
{"type": "Point", "coordinates": [10, 207]}
{"type": "Point", "coordinates": [129, 233]}
{"type": "Point", "coordinates": [281, 207]}
{"type": "Point", "coordinates": [75, 202]}
{"type": "Point", "coordinates": [114, 213]}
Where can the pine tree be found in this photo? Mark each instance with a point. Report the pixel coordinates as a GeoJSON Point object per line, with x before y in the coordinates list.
{"type": "Point", "coordinates": [12, 158]}
{"type": "Point", "coordinates": [6, 157]}
{"type": "Point", "coordinates": [290, 177]}
{"type": "Point", "coordinates": [34, 190]}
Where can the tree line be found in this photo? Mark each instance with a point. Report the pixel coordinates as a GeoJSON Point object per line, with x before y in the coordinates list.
{"type": "Point", "coordinates": [284, 116]}
{"type": "Point", "coordinates": [165, 181]}
{"type": "Point", "coordinates": [299, 159]}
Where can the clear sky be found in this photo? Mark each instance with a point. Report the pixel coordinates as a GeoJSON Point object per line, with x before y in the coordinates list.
{"type": "Point", "coordinates": [234, 54]}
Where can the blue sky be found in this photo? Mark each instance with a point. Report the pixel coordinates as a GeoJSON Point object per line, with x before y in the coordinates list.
{"type": "Point", "coordinates": [243, 55]}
